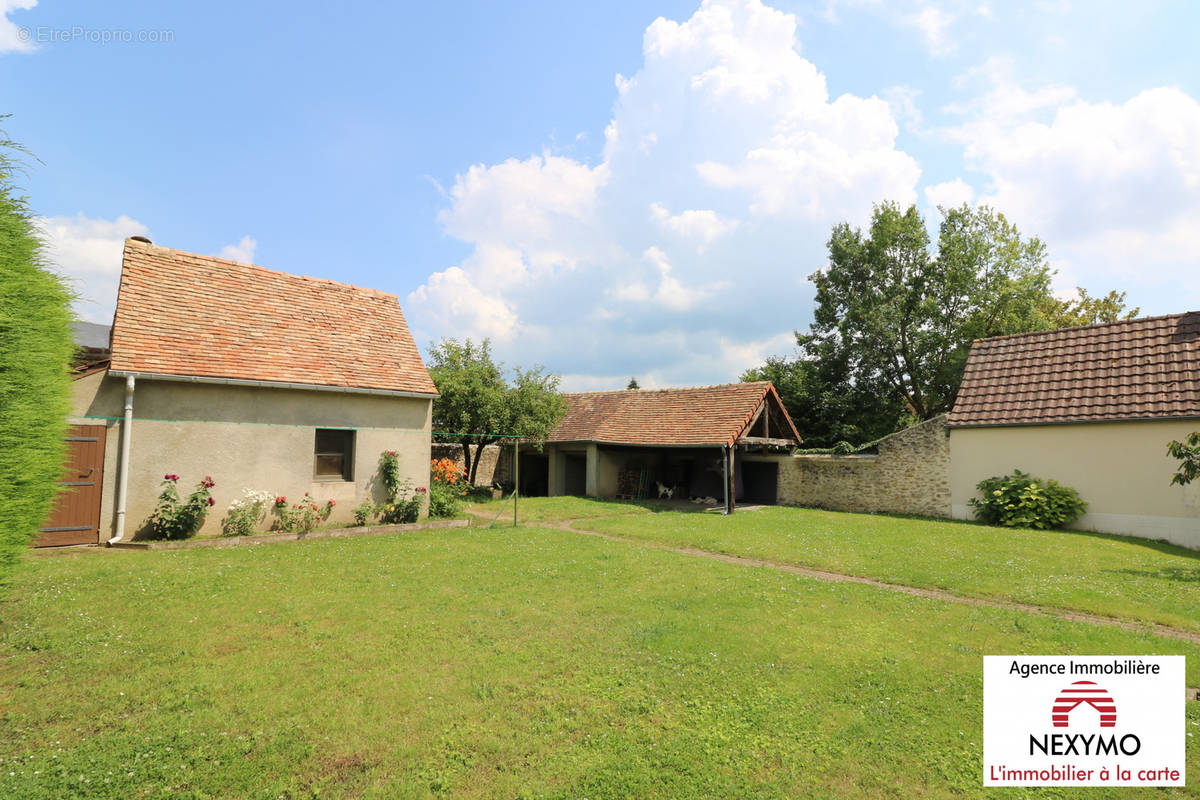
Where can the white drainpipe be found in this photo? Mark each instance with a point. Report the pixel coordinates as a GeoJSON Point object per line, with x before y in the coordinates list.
{"type": "Point", "coordinates": [123, 464]}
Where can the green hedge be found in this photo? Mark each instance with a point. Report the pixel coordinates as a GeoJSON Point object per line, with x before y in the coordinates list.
{"type": "Point", "coordinates": [36, 346]}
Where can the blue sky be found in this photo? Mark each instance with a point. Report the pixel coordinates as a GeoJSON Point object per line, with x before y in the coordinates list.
{"type": "Point", "coordinates": [608, 189]}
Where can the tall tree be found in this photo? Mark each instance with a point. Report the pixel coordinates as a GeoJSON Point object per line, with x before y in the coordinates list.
{"type": "Point", "coordinates": [476, 399]}
{"type": "Point", "coordinates": [35, 351]}
{"type": "Point", "coordinates": [903, 319]}
{"type": "Point", "coordinates": [633, 384]}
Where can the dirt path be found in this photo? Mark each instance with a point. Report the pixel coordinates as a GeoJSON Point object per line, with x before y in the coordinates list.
{"type": "Point", "coordinates": [932, 594]}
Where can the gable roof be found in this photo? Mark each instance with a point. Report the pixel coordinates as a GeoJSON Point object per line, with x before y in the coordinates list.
{"type": "Point", "coordinates": [1134, 369]}
{"type": "Point", "coordinates": [186, 315]}
{"type": "Point", "coordinates": [703, 415]}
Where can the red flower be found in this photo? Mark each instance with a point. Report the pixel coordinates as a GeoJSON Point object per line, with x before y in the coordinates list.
{"type": "Point", "coordinates": [421, 489]}
{"type": "Point", "coordinates": [208, 482]}
{"type": "Point", "coordinates": [281, 501]}
{"type": "Point", "coordinates": [212, 502]}
{"type": "Point", "coordinates": [332, 504]}
{"type": "Point", "coordinates": [170, 476]}
{"type": "Point", "coordinates": [314, 507]}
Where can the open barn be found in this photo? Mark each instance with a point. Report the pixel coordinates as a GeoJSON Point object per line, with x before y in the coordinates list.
{"type": "Point", "coordinates": [681, 444]}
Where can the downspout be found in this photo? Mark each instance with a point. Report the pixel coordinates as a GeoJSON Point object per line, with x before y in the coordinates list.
{"type": "Point", "coordinates": [123, 463]}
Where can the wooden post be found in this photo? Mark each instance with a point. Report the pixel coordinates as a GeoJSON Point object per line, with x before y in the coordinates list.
{"type": "Point", "coordinates": [731, 486]}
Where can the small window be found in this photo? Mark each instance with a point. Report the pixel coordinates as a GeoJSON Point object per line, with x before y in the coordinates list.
{"type": "Point", "coordinates": [334, 455]}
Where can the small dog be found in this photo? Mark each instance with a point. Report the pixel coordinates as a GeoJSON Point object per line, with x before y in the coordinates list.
{"type": "Point", "coordinates": [665, 491]}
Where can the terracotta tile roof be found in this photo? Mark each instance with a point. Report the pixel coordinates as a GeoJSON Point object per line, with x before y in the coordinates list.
{"type": "Point", "coordinates": [190, 315]}
{"type": "Point", "coordinates": [704, 415]}
{"type": "Point", "coordinates": [1136, 369]}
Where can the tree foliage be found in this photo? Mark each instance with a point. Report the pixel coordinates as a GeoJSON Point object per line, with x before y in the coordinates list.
{"type": "Point", "coordinates": [1188, 453]}
{"type": "Point", "coordinates": [633, 384]}
{"type": "Point", "coordinates": [1084, 309]}
{"type": "Point", "coordinates": [820, 397]}
{"type": "Point", "coordinates": [35, 351]}
{"type": "Point", "coordinates": [476, 399]}
{"type": "Point", "coordinates": [894, 322]}
{"type": "Point", "coordinates": [903, 319]}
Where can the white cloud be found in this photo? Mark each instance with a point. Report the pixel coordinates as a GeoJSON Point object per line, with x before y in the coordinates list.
{"type": "Point", "coordinates": [934, 24]}
{"type": "Point", "coordinates": [728, 137]}
{"type": "Point", "coordinates": [949, 194]}
{"type": "Point", "coordinates": [243, 251]}
{"type": "Point", "coordinates": [703, 226]}
{"type": "Point", "coordinates": [1113, 188]}
{"type": "Point", "coordinates": [14, 38]}
{"type": "Point", "coordinates": [88, 252]}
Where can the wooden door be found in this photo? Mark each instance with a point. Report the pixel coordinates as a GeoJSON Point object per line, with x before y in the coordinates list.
{"type": "Point", "coordinates": [76, 515]}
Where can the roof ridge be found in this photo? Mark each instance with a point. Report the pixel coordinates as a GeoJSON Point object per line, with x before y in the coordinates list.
{"type": "Point", "coordinates": [1073, 328]}
{"type": "Point", "coordinates": [667, 388]}
{"type": "Point", "coordinates": [229, 261]}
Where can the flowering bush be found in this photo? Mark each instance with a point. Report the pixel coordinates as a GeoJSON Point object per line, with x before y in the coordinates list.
{"type": "Point", "coordinates": [303, 516]}
{"type": "Point", "coordinates": [447, 488]}
{"type": "Point", "coordinates": [363, 513]}
{"type": "Point", "coordinates": [176, 518]}
{"type": "Point", "coordinates": [400, 509]}
{"type": "Point", "coordinates": [1019, 501]}
{"type": "Point", "coordinates": [246, 514]}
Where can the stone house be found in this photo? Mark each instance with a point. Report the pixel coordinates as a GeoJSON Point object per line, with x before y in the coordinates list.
{"type": "Point", "coordinates": [260, 379]}
{"type": "Point", "coordinates": [1093, 408]}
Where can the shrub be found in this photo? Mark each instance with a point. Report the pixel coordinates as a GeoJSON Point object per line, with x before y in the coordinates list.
{"type": "Point", "coordinates": [400, 510]}
{"type": "Point", "coordinates": [301, 517]}
{"type": "Point", "coordinates": [363, 513]}
{"type": "Point", "coordinates": [1020, 501]}
{"type": "Point", "coordinates": [246, 514]}
{"type": "Point", "coordinates": [389, 473]}
{"type": "Point", "coordinates": [447, 487]}
{"type": "Point", "coordinates": [176, 518]}
{"type": "Point", "coordinates": [35, 385]}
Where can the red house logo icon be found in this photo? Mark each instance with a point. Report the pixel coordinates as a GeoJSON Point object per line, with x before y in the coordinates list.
{"type": "Point", "coordinates": [1079, 693]}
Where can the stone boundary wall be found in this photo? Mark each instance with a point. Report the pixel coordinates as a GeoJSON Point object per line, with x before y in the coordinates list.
{"type": "Point", "coordinates": [495, 465]}
{"type": "Point", "coordinates": [911, 475]}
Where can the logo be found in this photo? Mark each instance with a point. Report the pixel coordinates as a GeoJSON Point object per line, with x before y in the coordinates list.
{"type": "Point", "coordinates": [1081, 692]}
{"type": "Point", "coordinates": [1053, 721]}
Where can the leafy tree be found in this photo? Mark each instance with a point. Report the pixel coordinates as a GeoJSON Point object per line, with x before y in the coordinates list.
{"type": "Point", "coordinates": [903, 319]}
{"type": "Point", "coordinates": [1086, 310]}
{"type": "Point", "coordinates": [477, 400]}
{"type": "Point", "coordinates": [633, 384]}
{"type": "Point", "coordinates": [35, 351]}
{"type": "Point", "coordinates": [1188, 453]}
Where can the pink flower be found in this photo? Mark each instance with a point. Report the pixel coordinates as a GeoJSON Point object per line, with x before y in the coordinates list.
{"type": "Point", "coordinates": [421, 489]}
{"type": "Point", "coordinates": [208, 482]}
{"type": "Point", "coordinates": [332, 504]}
{"type": "Point", "coordinates": [212, 502]}
{"type": "Point", "coordinates": [170, 476]}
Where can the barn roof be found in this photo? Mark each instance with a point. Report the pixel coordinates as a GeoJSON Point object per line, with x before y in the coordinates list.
{"type": "Point", "coordinates": [1130, 370]}
{"type": "Point", "coordinates": [186, 315]}
{"type": "Point", "coordinates": [703, 415]}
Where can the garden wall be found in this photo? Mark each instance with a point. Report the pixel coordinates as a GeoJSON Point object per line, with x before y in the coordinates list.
{"type": "Point", "coordinates": [911, 475]}
{"type": "Point", "coordinates": [495, 465]}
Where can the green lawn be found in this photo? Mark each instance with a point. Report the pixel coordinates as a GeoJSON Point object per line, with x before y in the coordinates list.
{"type": "Point", "coordinates": [1131, 579]}
{"type": "Point", "coordinates": [560, 509]}
{"type": "Point", "coordinates": [507, 662]}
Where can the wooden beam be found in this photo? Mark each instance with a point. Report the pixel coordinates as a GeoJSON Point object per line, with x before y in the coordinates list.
{"type": "Point", "coordinates": [766, 441]}
{"type": "Point", "coordinates": [731, 489]}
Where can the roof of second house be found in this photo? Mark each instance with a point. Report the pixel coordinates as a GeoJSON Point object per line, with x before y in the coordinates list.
{"type": "Point", "coordinates": [1130, 370]}
{"type": "Point", "coordinates": [702, 415]}
{"type": "Point", "coordinates": [186, 315]}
